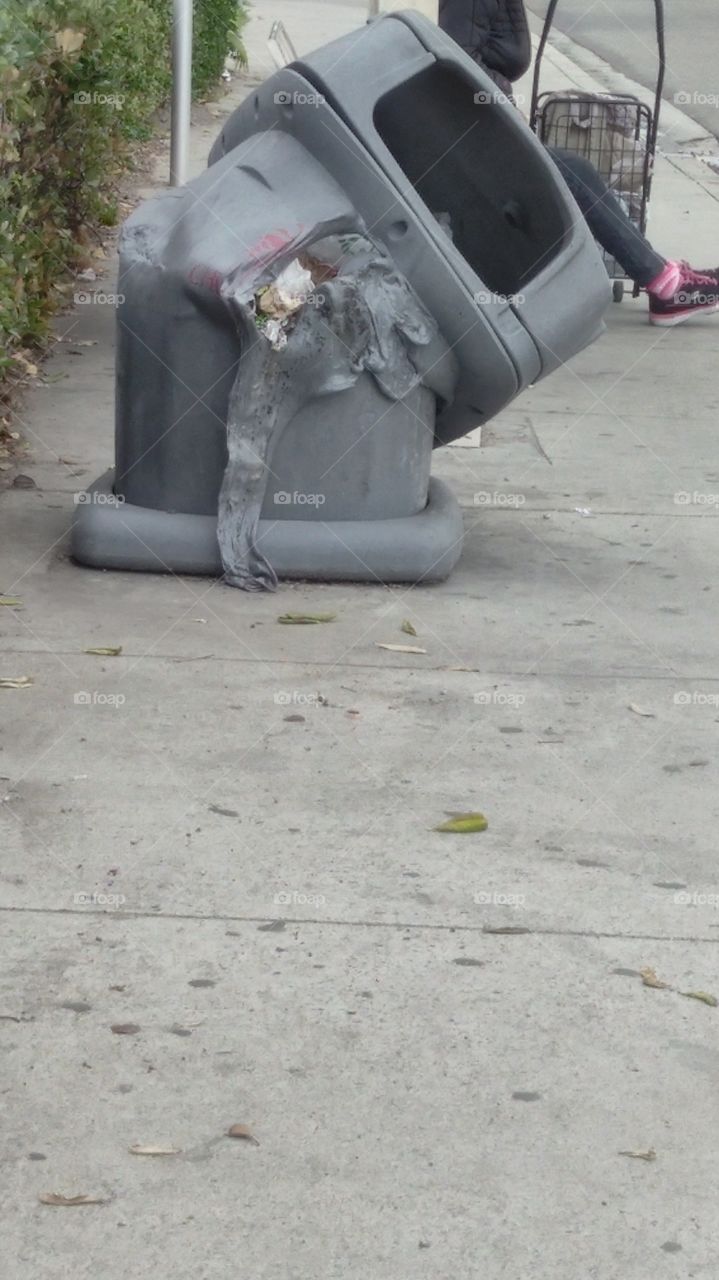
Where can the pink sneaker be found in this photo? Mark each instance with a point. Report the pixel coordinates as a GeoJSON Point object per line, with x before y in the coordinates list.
{"type": "Point", "coordinates": [691, 293]}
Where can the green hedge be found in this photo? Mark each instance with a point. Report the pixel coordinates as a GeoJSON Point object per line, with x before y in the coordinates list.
{"type": "Point", "coordinates": [79, 81]}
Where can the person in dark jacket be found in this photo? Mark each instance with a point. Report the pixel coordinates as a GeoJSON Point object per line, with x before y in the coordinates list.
{"type": "Point", "coordinates": [495, 34]}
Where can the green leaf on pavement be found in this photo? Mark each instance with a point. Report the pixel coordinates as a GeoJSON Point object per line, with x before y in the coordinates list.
{"type": "Point", "coordinates": [704, 996]}
{"type": "Point", "coordinates": [305, 619]}
{"type": "Point", "coordinates": [464, 824]}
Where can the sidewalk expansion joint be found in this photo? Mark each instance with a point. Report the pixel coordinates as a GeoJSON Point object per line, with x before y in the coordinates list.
{"type": "Point", "coordinates": [489, 931]}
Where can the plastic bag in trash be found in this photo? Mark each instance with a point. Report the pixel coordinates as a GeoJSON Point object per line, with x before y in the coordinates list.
{"type": "Point", "coordinates": [360, 316]}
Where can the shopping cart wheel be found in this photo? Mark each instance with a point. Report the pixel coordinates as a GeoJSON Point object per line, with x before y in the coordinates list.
{"type": "Point", "coordinates": [618, 290]}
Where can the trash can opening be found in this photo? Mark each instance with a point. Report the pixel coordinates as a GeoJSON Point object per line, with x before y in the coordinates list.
{"type": "Point", "coordinates": [463, 153]}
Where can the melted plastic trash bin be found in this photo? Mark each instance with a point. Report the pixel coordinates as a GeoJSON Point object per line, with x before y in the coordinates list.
{"type": "Point", "coordinates": [391, 136]}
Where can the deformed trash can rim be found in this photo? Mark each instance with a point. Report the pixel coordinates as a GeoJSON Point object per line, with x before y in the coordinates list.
{"type": "Point", "coordinates": [109, 533]}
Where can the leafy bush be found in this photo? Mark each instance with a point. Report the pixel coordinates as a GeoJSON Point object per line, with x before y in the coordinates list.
{"type": "Point", "coordinates": [217, 32]}
{"type": "Point", "coordinates": [218, 24]}
{"type": "Point", "coordinates": [79, 80]}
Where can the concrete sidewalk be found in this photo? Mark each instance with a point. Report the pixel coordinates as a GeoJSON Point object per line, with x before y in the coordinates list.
{"type": "Point", "coordinates": [223, 838]}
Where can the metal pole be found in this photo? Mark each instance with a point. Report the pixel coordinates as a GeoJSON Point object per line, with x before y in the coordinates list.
{"type": "Point", "coordinates": [181, 90]}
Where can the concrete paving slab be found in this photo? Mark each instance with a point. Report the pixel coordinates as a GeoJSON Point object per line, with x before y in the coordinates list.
{"type": "Point", "coordinates": [409, 1107]}
{"type": "Point", "coordinates": [288, 781]}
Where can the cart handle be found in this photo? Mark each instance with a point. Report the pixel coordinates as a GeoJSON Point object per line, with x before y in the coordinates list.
{"type": "Point", "coordinates": [661, 45]}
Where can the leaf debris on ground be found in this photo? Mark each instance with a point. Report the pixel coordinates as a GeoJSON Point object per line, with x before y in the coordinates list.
{"type": "Point", "coordinates": [54, 1197]}
{"type": "Point", "coordinates": [15, 682]}
{"type": "Point", "coordinates": [106, 651]}
{"type": "Point", "coordinates": [408, 628]}
{"type": "Point", "coordinates": [650, 979]}
{"type": "Point", "coordinates": [505, 928]}
{"type": "Point", "coordinates": [400, 648]}
{"type": "Point", "coordinates": [69, 40]}
{"type": "Point", "coordinates": [648, 1155]}
{"type": "Point", "coordinates": [464, 824]}
{"type": "Point", "coordinates": [640, 711]}
{"type": "Point", "coordinates": [705, 996]}
{"type": "Point", "coordinates": [139, 1149]}
{"type": "Point", "coordinates": [124, 1028]}
{"type": "Point", "coordinates": [11, 602]}
{"type": "Point", "coordinates": [305, 619]}
{"type": "Point", "coordinates": [25, 364]}
{"type": "Point", "coordinates": [244, 1132]}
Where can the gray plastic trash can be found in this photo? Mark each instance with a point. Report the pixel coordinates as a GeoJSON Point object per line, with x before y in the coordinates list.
{"type": "Point", "coordinates": [393, 134]}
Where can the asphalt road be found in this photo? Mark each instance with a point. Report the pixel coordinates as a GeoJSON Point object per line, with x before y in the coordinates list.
{"type": "Point", "coordinates": [623, 33]}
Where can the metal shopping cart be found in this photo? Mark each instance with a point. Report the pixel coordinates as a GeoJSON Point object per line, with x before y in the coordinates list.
{"type": "Point", "coordinates": [616, 132]}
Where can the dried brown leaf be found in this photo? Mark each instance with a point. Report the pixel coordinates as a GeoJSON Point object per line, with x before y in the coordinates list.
{"type": "Point", "coordinates": [27, 365]}
{"type": "Point", "coordinates": [650, 979]}
{"type": "Point", "coordinates": [69, 40]}
{"type": "Point", "coordinates": [54, 1197]}
{"type": "Point", "coordinates": [124, 1028]}
{"type": "Point", "coordinates": [400, 648]}
{"type": "Point", "coordinates": [505, 928]}
{"type": "Point", "coordinates": [648, 1155]}
{"type": "Point", "coordinates": [139, 1149]}
{"type": "Point", "coordinates": [242, 1131]}
{"type": "Point", "coordinates": [305, 619]}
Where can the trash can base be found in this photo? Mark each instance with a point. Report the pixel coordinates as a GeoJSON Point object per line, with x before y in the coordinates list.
{"type": "Point", "coordinates": [110, 534]}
